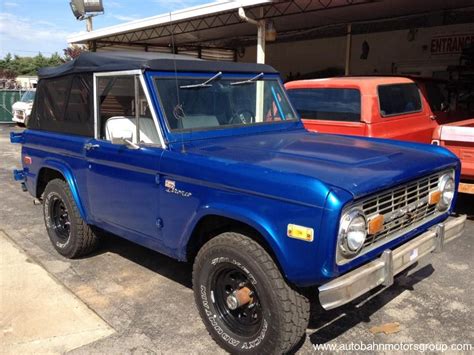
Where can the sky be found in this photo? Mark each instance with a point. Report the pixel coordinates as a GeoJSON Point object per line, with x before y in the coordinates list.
{"type": "Point", "coordinates": [31, 26]}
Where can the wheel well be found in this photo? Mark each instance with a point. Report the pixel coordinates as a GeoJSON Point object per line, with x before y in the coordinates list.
{"type": "Point", "coordinates": [212, 225]}
{"type": "Point", "coordinates": [45, 175]}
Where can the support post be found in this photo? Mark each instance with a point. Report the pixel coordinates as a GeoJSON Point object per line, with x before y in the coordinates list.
{"type": "Point", "coordinates": [89, 26]}
{"type": "Point", "coordinates": [348, 49]}
{"type": "Point", "coordinates": [260, 59]}
{"type": "Point", "coordinates": [261, 28]}
{"type": "Point", "coordinates": [261, 25]}
{"type": "Point", "coordinates": [261, 42]}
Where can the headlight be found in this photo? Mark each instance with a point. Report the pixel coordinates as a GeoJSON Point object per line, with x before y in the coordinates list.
{"type": "Point", "coordinates": [352, 233]}
{"type": "Point", "coordinates": [447, 187]}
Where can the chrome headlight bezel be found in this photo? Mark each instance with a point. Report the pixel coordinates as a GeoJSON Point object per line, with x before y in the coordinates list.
{"type": "Point", "coordinates": [447, 187]}
{"type": "Point", "coordinates": [345, 224]}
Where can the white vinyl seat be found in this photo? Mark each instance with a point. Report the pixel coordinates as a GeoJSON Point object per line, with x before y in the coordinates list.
{"type": "Point", "coordinates": [118, 125]}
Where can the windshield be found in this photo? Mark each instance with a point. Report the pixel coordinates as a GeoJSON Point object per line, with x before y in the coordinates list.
{"type": "Point", "coordinates": [204, 104]}
{"type": "Point", "coordinates": [28, 96]}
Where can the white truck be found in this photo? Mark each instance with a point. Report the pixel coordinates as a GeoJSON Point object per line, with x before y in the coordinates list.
{"type": "Point", "coordinates": [22, 109]}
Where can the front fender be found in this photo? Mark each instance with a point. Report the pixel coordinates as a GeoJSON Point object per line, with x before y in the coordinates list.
{"type": "Point", "coordinates": [240, 214]}
{"type": "Point", "coordinates": [66, 171]}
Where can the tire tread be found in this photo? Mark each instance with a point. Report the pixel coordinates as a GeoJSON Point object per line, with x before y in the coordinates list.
{"type": "Point", "coordinates": [295, 307]}
{"type": "Point", "coordinates": [85, 240]}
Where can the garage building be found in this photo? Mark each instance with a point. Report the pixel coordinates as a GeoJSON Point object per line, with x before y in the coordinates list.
{"type": "Point", "coordinates": [310, 38]}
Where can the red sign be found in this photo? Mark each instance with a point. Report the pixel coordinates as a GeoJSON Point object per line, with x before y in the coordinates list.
{"type": "Point", "coordinates": [451, 44]}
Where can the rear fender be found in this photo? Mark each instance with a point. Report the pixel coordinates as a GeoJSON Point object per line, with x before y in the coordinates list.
{"type": "Point", "coordinates": [71, 181]}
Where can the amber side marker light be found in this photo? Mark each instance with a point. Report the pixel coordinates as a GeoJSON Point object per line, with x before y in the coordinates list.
{"type": "Point", "coordinates": [434, 197]}
{"type": "Point", "coordinates": [375, 224]}
{"type": "Point", "coordinates": [300, 232]}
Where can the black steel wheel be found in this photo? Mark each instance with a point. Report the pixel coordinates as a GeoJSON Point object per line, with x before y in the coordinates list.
{"type": "Point", "coordinates": [243, 299]}
{"type": "Point", "coordinates": [68, 232]}
{"type": "Point", "coordinates": [246, 319]}
{"type": "Point", "coordinates": [60, 218]}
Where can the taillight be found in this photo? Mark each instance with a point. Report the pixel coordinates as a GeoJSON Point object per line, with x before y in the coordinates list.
{"type": "Point", "coordinates": [27, 160]}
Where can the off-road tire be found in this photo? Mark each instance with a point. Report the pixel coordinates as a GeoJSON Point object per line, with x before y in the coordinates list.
{"type": "Point", "coordinates": [285, 311]}
{"type": "Point", "coordinates": [82, 239]}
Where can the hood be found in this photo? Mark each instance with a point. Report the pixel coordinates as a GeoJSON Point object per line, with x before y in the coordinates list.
{"type": "Point", "coordinates": [358, 165]}
{"type": "Point", "coordinates": [20, 105]}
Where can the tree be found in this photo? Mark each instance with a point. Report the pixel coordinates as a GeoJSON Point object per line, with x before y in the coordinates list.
{"type": "Point", "coordinates": [8, 58]}
{"type": "Point", "coordinates": [7, 74]}
{"type": "Point", "coordinates": [73, 51]}
{"type": "Point", "coordinates": [55, 59]}
{"type": "Point", "coordinates": [27, 65]}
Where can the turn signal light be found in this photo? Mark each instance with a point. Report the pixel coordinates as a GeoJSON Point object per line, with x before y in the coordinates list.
{"type": "Point", "coordinates": [375, 224]}
{"type": "Point", "coordinates": [434, 197]}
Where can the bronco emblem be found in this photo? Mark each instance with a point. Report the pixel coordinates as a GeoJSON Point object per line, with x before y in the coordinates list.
{"type": "Point", "coordinates": [170, 186]}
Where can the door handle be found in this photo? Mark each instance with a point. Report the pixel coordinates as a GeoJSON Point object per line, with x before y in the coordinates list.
{"type": "Point", "coordinates": [90, 146]}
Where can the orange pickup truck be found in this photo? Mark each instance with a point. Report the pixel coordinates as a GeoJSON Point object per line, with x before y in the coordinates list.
{"type": "Point", "coordinates": [383, 107]}
{"type": "Point", "coordinates": [409, 109]}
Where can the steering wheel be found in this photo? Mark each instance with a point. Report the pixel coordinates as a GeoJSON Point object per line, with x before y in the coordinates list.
{"type": "Point", "coordinates": [243, 116]}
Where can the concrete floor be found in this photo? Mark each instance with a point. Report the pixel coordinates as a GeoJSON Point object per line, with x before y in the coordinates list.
{"type": "Point", "coordinates": [147, 297]}
{"type": "Point", "coordinates": [37, 312]}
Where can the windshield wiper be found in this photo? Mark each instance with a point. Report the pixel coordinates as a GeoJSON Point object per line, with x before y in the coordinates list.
{"type": "Point", "coordinates": [205, 84]}
{"type": "Point", "coordinates": [248, 81]}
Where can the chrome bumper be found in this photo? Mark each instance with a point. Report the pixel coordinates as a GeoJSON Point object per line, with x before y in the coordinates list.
{"type": "Point", "coordinates": [382, 270]}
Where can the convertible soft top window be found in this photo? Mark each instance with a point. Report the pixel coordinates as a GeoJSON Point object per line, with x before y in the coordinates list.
{"type": "Point", "coordinates": [64, 105]}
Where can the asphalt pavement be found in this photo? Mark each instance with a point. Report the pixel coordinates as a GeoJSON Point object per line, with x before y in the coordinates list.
{"type": "Point", "coordinates": [146, 298]}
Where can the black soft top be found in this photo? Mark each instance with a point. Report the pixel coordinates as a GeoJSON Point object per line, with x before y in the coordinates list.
{"type": "Point", "coordinates": [89, 62]}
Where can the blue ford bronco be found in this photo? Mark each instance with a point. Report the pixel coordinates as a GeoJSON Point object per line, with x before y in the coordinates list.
{"type": "Point", "coordinates": [208, 162]}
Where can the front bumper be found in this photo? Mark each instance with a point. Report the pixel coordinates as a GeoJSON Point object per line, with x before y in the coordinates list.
{"type": "Point", "coordinates": [19, 118]}
{"type": "Point", "coordinates": [382, 270]}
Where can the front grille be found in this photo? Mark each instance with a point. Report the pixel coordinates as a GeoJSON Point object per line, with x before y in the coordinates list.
{"type": "Point", "coordinates": [20, 114]}
{"type": "Point", "coordinates": [403, 207]}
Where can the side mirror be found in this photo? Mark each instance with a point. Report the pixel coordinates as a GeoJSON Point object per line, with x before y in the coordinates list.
{"type": "Point", "coordinates": [124, 138]}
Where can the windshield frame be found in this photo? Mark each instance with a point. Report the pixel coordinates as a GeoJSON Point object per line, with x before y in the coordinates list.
{"type": "Point", "coordinates": [227, 130]}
